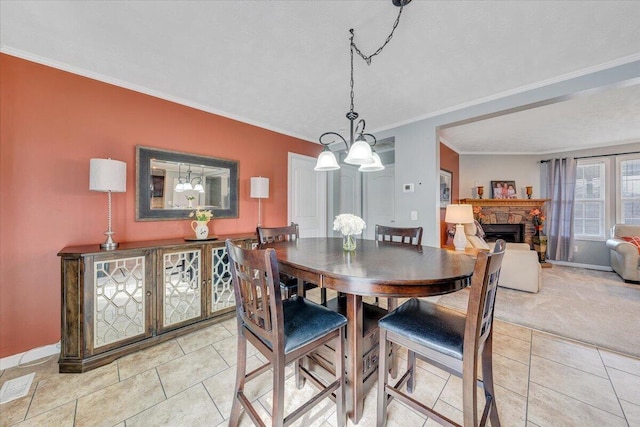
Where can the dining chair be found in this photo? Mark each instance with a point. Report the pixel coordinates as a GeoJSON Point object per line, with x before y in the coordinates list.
{"type": "Point", "coordinates": [449, 340]}
{"type": "Point", "coordinates": [280, 234]}
{"type": "Point", "coordinates": [284, 331]}
{"type": "Point", "coordinates": [403, 235]}
{"type": "Point", "coordinates": [410, 236]}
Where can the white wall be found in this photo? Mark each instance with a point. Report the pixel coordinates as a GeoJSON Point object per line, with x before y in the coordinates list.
{"type": "Point", "coordinates": [482, 169]}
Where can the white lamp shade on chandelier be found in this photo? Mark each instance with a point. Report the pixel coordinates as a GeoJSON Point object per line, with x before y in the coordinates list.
{"type": "Point", "coordinates": [360, 154]}
{"type": "Point", "coordinates": [107, 175]}
{"type": "Point", "coordinates": [373, 167]}
{"type": "Point", "coordinates": [459, 215]}
{"type": "Point", "coordinates": [326, 162]}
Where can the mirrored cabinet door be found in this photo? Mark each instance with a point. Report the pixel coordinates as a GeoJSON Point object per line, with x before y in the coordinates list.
{"type": "Point", "coordinates": [222, 296]}
{"type": "Point", "coordinates": [181, 289]}
{"type": "Point", "coordinates": [119, 302]}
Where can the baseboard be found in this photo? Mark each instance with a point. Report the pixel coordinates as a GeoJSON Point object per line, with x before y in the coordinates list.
{"type": "Point", "coordinates": [29, 356]}
{"type": "Point", "coordinates": [577, 265]}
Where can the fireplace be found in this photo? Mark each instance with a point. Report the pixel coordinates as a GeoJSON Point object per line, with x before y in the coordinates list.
{"type": "Point", "coordinates": [508, 232]}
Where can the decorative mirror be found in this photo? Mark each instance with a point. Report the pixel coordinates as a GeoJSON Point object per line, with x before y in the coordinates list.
{"type": "Point", "coordinates": [170, 185]}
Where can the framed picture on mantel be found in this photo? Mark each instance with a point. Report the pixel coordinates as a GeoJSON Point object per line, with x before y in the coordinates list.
{"type": "Point", "coordinates": [445, 188]}
{"type": "Point", "coordinates": [503, 190]}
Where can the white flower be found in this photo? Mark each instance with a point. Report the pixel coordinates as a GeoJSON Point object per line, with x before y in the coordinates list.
{"type": "Point", "coordinates": [349, 224]}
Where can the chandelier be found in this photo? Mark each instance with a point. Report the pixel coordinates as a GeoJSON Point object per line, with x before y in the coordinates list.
{"type": "Point", "coordinates": [187, 183]}
{"type": "Point", "coordinates": [359, 150]}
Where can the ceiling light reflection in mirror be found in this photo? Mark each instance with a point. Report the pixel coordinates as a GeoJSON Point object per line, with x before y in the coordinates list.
{"type": "Point", "coordinates": [177, 185]}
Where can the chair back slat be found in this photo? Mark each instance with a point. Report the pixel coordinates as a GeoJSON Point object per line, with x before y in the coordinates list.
{"type": "Point", "coordinates": [258, 300]}
{"type": "Point", "coordinates": [277, 234]}
{"type": "Point", "coordinates": [403, 235]}
{"type": "Point", "coordinates": [484, 286]}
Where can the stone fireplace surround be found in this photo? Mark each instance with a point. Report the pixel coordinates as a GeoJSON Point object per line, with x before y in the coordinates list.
{"type": "Point", "coordinates": [509, 211]}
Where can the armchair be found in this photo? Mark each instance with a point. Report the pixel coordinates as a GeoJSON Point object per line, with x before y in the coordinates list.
{"type": "Point", "coordinates": [624, 254]}
{"type": "Point", "coordinates": [520, 267]}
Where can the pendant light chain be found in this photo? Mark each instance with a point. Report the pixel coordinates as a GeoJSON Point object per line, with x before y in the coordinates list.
{"type": "Point", "coordinates": [368, 59]}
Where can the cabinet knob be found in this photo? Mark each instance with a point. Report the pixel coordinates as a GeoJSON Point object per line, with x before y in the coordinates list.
{"type": "Point", "coordinates": [148, 293]}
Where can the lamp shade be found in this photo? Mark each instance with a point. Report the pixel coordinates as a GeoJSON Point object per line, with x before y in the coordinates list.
{"type": "Point", "coordinates": [107, 175]}
{"type": "Point", "coordinates": [326, 162]}
{"type": "Point", "coordinates": [259, 187]}
{"type": "Point", "coordinates": [459, 214]}
{"type": "Point", "coordinates": [359, 153]}
{"type": "Point", "coordinates": [373, 167]}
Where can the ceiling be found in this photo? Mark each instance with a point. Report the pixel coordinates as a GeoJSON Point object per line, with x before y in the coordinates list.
{"type": "Point", "coordinates": [284, 65]}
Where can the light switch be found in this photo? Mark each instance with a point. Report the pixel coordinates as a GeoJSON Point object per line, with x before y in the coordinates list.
{"type": "Point", "coordinates": [414, 215]}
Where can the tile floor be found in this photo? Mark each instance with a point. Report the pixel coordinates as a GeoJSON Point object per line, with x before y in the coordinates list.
{"type": "Point", "coordinates": [542, 380]}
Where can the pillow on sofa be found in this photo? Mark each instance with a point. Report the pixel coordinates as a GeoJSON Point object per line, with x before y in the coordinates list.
{"type": "Point", "coordinates": [475, 235]}
{"type": "Point", "coordinates": [477, 242]}
{"type": "Point", "coordinates": [635, 240]}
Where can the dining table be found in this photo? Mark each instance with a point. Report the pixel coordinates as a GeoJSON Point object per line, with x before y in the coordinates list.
{"type": "Point", "coordinates": [376, 269]}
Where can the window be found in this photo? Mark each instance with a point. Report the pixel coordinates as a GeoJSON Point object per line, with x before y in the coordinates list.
{"type": "Point", "coordinates": [629, 195]}
{"type": "Point", "coordinates": [589, 207]}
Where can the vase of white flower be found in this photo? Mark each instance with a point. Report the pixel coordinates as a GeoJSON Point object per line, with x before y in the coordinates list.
{"type": "Point", "coordinates": [349, 242]}
{"type": "Point", "coordinates": [349, 225]}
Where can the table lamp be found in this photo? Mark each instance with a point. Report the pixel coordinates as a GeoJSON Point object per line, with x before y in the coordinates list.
{"type": "Point", "coordinates": [259, 190]}
{"type": "Point", "coordinates": [459, 215]}
{"type": "Point", "coordinates": [108, 176]}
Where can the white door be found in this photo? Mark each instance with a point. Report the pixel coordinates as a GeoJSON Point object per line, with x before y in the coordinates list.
{"type": "Point", "coordinates": [379, 199]}
{"type": "Point", "coordinates": [307, 196]}
{"type": "Point", "coordinates": [350, 190]}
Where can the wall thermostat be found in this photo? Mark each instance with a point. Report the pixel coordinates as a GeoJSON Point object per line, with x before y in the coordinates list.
{"type": "Point", "coordinates": [407, 188]}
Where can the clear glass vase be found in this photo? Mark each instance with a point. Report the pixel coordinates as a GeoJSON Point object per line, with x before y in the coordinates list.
{"type": "Point", "coordinates": [348, 242]}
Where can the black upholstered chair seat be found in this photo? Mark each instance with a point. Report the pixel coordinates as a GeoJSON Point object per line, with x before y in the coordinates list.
{"type": "Point", "coordinates": [306, 321]}
{"type": "Point", "coordinates": [430, 325]}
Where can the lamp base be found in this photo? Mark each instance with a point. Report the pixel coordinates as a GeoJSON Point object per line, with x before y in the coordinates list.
{"type": "Point", "coordinates": [459, 239]}
{"type": "Point", "coordinates": [109, 244]}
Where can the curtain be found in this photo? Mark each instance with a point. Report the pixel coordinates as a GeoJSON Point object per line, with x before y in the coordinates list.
{"type": "Point", "coordinates": [561, 186]}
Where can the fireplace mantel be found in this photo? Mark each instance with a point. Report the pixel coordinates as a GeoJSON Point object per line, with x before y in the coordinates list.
{"type": "Point", "coordinates": [538, 203]}
{"type": "Point", "coordinates": [507, 211]}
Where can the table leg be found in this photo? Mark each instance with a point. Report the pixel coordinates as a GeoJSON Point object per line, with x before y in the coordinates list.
{"type": "Point", "coordinates": [354, 380]}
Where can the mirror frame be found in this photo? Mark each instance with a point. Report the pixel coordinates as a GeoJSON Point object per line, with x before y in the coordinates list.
{"type": "Point", "coordinates": [144, 155]}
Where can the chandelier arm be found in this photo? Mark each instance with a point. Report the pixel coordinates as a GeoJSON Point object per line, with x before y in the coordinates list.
{"type": "Point", "coordinates": [375, 141]}
{"type": "Point", "coordinates": [368, 59]}
{"type": "Point", "coordinates": [326, 144]}
{"type": "Point", "coordinates": [358, 130]}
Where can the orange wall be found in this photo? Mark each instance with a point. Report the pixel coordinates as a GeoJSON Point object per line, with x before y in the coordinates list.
{"type": "Point", "coordinates": [52, 123]}
{"type": "Point", "coordinates": [449, 160]}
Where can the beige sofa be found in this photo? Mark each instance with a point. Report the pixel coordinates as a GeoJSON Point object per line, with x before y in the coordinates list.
{"type": "Point", "coordinates": [520, 267]}
{"type": "Point", "coordinates": [624, 255]}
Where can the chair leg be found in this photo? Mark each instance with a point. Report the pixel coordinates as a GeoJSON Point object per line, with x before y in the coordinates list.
{"type": "Point", "coordinates": [323, 296]}
{"type": "Point", "coordinates": [392, 303]}
{"type": "Point", "coordinates": [411, 363]}
{"type": "Point", "coordinates": [487, 380]}
{"type": "Point", "coordinates": [382, 379]}
{"type": "Point", "coordinates": [277, 410]}
{"type": "Point", "coordinates": [341, 410]}
{"type": "Point", "coordinates": [241, 368]}
{"type": "Point", "coordinates": [470, 391]}
{"type": "Point", "coordinates": [299, 378]}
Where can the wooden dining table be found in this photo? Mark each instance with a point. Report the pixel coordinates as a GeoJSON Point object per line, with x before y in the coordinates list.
{"type": "Point", "coordinates": [375, 269]}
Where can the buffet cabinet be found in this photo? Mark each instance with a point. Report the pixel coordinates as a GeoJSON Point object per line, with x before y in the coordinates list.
{"type": "Point", "coordinates": [118, 302]}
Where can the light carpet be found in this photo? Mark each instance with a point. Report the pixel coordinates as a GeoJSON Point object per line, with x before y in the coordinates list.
{"type": "Point", "coordinates": [595, 307]}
